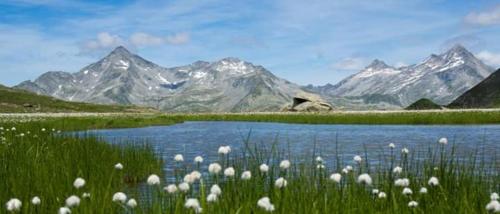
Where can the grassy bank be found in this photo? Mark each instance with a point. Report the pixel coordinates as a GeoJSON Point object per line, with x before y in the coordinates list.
{"type": "Point", "coordinates": [38, 161]}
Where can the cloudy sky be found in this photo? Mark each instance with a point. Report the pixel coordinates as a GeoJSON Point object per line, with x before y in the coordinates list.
{"type": "Point", "coordinates": [305, 42]}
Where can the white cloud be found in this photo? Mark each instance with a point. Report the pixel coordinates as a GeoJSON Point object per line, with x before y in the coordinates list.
{"type": "Point", "coordinates": [103, 41]}
{"type": "Point", "coordinates": [489, 17]}
{"type": "Point", "coordinates": [143, 39]}
{"type": "Point", "coordinates": [350, 64]}
{"type": "Point", "coordinates": [489, 58]}
{"type": "Point", "coordinates": [178, 38]}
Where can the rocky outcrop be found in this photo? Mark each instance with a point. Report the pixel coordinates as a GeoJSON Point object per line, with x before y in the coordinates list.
{"type": "Point", "coordinates": [308, 103]}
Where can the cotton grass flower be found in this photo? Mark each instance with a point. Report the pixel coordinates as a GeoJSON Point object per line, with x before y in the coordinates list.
{"type": "Point", "coordinates": [178, 158]}
{"type": "Point", "coordinates": [193, 203]}
{"type": "Point", "coordinates": [265, 203]}
{"type": "Point", "coordinates": [392, 146]}
{"type": "Point", "coordinates": [171, 189]}
{"type": "Point", "coordinates": [423, 190]}
{"type": "Point", "coordinates": [375, 191]}
{"type": "Point", "coordinates": [280, 182]}
{"type": "Point", "coordinates": [198, 159]}
{"type": "Point", "coordinates": [224, 150]}
{"type": "Point", "coordinates": [493, 206]}
{"type": "Point", "coordinates": [72, 201]}
{"type": "Point", "coordinates": [382, 195]}
{"type": "Point", "coordinates": [132, 203]}
{"type": "Point", "coordinates": [433, 181]}
{"type": "Point", "coordinates": [36, 201]}
{"type": "Point", "coordinates": [119, 197]}
{"type": "Point", "coordinates": [319, 159]}
{"type": "Point", "coordinates": [86, 195]}
{"type": "Point", "coordinates": [336, 177]}
{"type": "Point", "coordinates": [184, 187]}
{"type": "Point", "coordinates": [264, 168]}
{"type": "Point", "coordinates": [443, 141]}
{"type": "Point", "coordinates": [407, 191]}
{"type": "Point", "coordinates": [320, 166]}
{"type": "Point", "coordinates": [153, 180]}
{"type": "Point", "coordinates": [285, 164]}
{"type": "Point", "coordinates": [13, 205]}
{"type": "Point", "coordinates": [229, 172]}
{"type": "Point", "coordinates": [365, 179]}
{"type": "Point", "coordinates": [211, 197]}
{"type": "Point", "coordinates": [405, 151]}
{"type": "Point", "coordinates": [357, 159]}
{"type": "Point", "coordinates": [118, 166]}
{"type": "Point", "coordinates": [79, 183]}
{"type": "Point", "coordinates": [64, 210]}
{"type": "Point", "coordinates": [402, 182]}
{"type": "Point", "coordinates": [215, 189]}
{"type": "Point", "coordinates": [397, 170]}
{"type": "Point", "coordinates": [246, 175]}
{"type": "Point", "coordinates": [412, 204]}
{"type": "Point", "coordinates": [214, 168]}
{"type": "Point", "coordinates": [494, 196]}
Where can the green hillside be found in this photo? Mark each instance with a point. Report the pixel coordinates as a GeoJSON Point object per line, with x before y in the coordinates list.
{"type": "Point", "coordinates": [423, 104]}
{"type": "Point", "coordinates": [20, 101]}
{"type": "Point", "coordinates": [486, 94]}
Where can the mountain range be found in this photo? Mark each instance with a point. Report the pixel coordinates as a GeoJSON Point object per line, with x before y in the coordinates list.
{"type": "Point", "coordinates": [234, 85]}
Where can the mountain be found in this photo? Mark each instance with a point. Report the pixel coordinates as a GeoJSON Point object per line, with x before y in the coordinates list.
{"type": "Point", "coordinates": [441, 78]}
{"type": "Point", "coordinates": [21, 101]}
{"type": "Point", "coordinates": [486, 94]}
{"type": "Point", "coordinates": [423, 104]}
{"type": "Point", "coordinates": [227, 85]}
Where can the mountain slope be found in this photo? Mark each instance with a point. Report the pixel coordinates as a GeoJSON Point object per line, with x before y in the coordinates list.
{"type": "Point", "coordinates": [486, 94]}
{"type": "Point", "coordinates": [441, 78]}
{"type": "Point", "coordinates": [121, 77]}
{"type": "Point", "coordinates": [21, 101]}
{"type": "Point", "coordinates": [423, 104]}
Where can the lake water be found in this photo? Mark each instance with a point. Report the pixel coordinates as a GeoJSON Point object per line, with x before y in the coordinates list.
{"type": "Point", "coordinates": [204, 138]}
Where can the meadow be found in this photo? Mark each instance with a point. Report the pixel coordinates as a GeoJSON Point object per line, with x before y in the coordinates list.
{"type": "Point", "coordinates": [49, 172]}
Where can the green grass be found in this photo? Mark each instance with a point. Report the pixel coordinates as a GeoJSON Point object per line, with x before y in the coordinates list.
{"type": "Point", "coordinates": [20, 101]}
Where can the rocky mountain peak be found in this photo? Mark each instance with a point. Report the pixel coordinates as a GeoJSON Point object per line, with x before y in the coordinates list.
{"type": "Point", "coordinates": [457, 52]}
{"type": "Point", "coordinates": [120, 50]}
{"type": "Point", "coordinates": [377, 65]}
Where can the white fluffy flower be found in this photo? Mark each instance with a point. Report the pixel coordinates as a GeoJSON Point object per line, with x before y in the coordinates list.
{"type": "Point", "coordinates": [198, 159]}
{"type": "Point", "coordinates": [365, 179]}
{"type": "Point", "coordinates": [357, 159]}
{"type": "Point", "coordinates": [13, 205]}
{"type": "Point", "coordinates": [397, 170]}
{"type": "Point", "coordinates": [224, 150]}
{"type": "Point", "coordinates": [215, 189]}
{"type": "Point", "coordinates": [285, 164]}
{"type": "Point", "coordinates": [433, 181]}
{"type": "Point", "coordinates": [132, 203]}
{"type": "Point", "coordinates": [119, 197]}
{"type": "Point", "coordinates": [265, 203]}
{"type": "Point", "coordinates": [193, 203]}
{"type": "Point", "coordinates": [86, 195]}
{"type": "Point", "coordinates": [280, 182]}
{"type": "Point", "coordinates": [407, 191]}
{"type": "Point", "coordinates": [246, 175]}
{"type": "Point", "coordinates": [402, 182]}
{"type": "Point", "coordinates": [211, 197]}
{"type": "Point", "coordinates": [79, 183]}
{"type": "Point", "coordinates": [178, 158]}
{"type": "Point", "coordinates": [382, 195]}
{"type": "Point", "coordinates": [184, 187]}
{"type": "Point", "coordinates": [423, 190]}
{"type": "Point", "coordinates": [405, 151]}
{"type": "Point", "coordinates": [36, 200]}
{"type": "Point", "coordinates": [64, 210]}
{"type": "Point", "coordinates": [493, 206]}
{"type": "Point", "coordinates": [171, 188]}
{"type": "Point", "coordinates": [412, 204]}
{"type": "Point", "coordinates": [348, 167]}
{"type": "Point", "coordinates": [229, 172]}
{"type": "Point", "coordinates": [153, 180]}
{"type": "Point", "coordinates": [336, 177]}
{"type": "Point", "coordinates": [375, 191]}
{"type": "Point", "coordinates": [214, 168]}
{"type": "Point", "coordinates": [320, 166]}
{"type": "Point", "coordinates": [72, 201]}
{"type": "Point", "coordinates": [189, 178]}
{"type": "Point", "coordinates": [264, 168]}
{"type": "Point", "coordinates": [118, 166]}
{"type": "Point", "coordinates": [392, 146]}
{"type": "Point", "coordinates": [443, 141]}
{"type": "Point", "coordinates": [319, 159]}
{"type": "Point", "coordinates": [494, 196]}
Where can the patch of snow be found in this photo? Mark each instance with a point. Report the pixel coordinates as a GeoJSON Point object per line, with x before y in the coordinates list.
{"type": "Point", "coordinates": [86, 72]}
{"type": "Point", "coordinates": [233, 67]}
{"type": "Point", "coordinates": [122, 64]}
{"type": "Point", "coordinates": [371, 72]}
{"type": "Point", "coordinates": [162, 79]}
{"type": "Point", "coordinates": [150, 88]}
{"type": "Point", "coordinates": [60, 87]}
{"type": "Point", "coordinates": [199, 74]}
{"type": "Point", "coordinates": [95, 74]}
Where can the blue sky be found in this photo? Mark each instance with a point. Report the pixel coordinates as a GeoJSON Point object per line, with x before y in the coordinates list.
{"type": "Point", "coordinates": [305, 42]}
